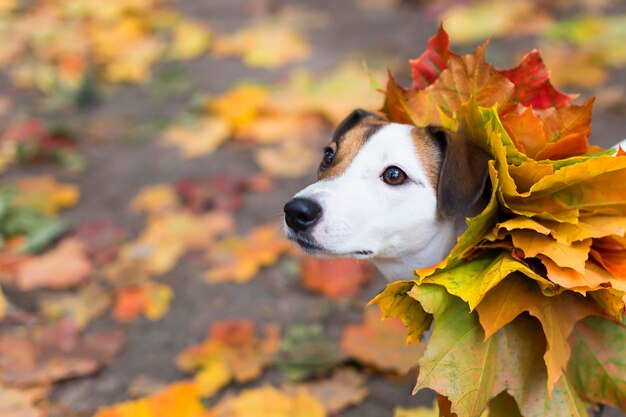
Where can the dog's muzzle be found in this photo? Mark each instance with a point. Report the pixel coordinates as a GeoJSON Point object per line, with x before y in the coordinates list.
{"type": "Point", "coordinates": [301, 214]}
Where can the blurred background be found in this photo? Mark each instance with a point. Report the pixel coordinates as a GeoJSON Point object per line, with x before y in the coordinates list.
{"type": "Point", "coordinates": [147, 148]}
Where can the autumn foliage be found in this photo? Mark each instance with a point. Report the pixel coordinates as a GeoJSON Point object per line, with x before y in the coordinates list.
{"type": "Point", "coordinates": [550, 243]}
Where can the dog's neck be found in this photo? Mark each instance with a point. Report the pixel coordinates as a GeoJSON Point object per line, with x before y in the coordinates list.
{"type": "Point", "coordinates": [403, 267]}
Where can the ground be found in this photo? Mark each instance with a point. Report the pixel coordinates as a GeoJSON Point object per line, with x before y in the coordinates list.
{"type": "Point", "coordinates": [119, 167]}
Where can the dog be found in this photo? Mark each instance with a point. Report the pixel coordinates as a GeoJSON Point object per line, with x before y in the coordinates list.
{"type": "Point", "coordinates": [395, 194]}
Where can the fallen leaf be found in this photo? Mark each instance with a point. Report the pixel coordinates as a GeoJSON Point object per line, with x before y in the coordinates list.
{"type": "Point", "coordinates": [191, 39]}
{"type": "Point", "coordinates": [289, 160]}
{"type": "Point", "coordinates": [239, 258]}
{"type": "Point", "coordinates": [22, 403]}
{"type": "Point", "coordinates": [231, 351]}
{"type": "Point", "coordinates": [89, 303]}
{"type": "Point", "coordinates": [239, 106]}
{"type": "Point", "coordinates": [44, 194]}
{"type": "Point", "coordinates": [306, 351]}
{"type": "Point", "coordinates": [268, 401]}
{"type": "Point", "coordinates": [181, 399]}
{"type": "Point", "coordinates": [199, 140]}
{"type": "Point", "coordinates": [380, 343]}
{"type": "Point", "coordinates": [344, 388]}
{"type": "Point", "coordinates": [263, 46]}
{"type": "Point", "coordinates": [167, 237]}
{"type": "Point", "coordinates": [335, 278]}
{"type": "Point", "coordinates": [149, 298]}
{"type": "Point", "coordinates": [45, 354]}
{"type": "Point", "coordinates": [156, 199]}
{"type": "Point", "coordinates": [65, 266]}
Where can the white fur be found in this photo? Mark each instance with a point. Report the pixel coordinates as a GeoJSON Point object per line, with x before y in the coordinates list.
{"type": "Point", "coordinates": [397, 224]}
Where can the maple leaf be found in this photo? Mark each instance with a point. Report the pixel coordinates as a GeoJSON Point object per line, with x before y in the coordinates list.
{"type": "Point", "coordinates": [597, 368]}
{"type": "Point", "coordinates": [558, 315]}
{"type": "Point", "coordinates": [46, 354]}
{"type": "Point", "coordinates": [65, 266]}
{"type": "Point", "coordinates": [335, 278]}
{"type": "Point", "coordinates": [89, 303]}
{"type": "Point", "coordinates": [22, 403]}
{"type": "Point", "coordinates": [345, 387]}
{"type": "Point", "coordinates": [231, 351]}
{"type": "Point", "coordinates": [190, 39]}
{"type": "Point", "coordinates": [239, 258]}
{"type": "Point", "coordinates": [290, 159]}
{"type": "Point", "coordinates": [263, 46]}
{"type": "Point", "coordinates": [181, 399]}
{"type": "Point", "coordinates": [306, 351]}
{"type": "Point", "coordinates": [433, 60]}
{"type": "Point", "coordinates": [532, 84]}
{"type": "Point", "coordinates": [380, 344]}
{"type": "Point", "coordinates": [149, 298]}
{"type": "Point", "coordinates": [199, 140]}
{"type": "Point", "coordinates": [461, 365]}
{"type": "Point", "coordinates": [155, 199]}
{"type": "Point", "coordinates": [269, 402]}
{"type": "Point", "coordinates": [394, 302]}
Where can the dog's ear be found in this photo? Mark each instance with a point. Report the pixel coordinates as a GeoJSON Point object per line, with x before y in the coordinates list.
{"type": "Point", "coordinates": [463, 174]}
{"type": "Point", "coordinates": [353, 119]}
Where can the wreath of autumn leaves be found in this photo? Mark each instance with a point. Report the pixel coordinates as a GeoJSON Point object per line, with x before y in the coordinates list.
{"type": "Point", "coordinates": [550, 243]}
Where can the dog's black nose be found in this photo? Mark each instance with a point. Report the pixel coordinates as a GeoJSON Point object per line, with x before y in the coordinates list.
{"type": "Point", "coordinates": [302, 213]}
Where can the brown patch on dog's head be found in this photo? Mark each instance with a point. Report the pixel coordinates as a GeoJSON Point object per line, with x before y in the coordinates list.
{"type": "Point", "coordinates": [463, 174]}
{"type": "Point", "coordinates": [429, 154]}
{"type": "Point", "coordinates": [348, 139]}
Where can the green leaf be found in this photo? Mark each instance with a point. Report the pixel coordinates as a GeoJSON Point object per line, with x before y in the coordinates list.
{"type": "Point", "coordinates": [306, 351]}
{"type": "Point", "coordinates": [459, 364]}
{"type": "Point", "coordinates": [394, 301]}
{"type": "Point", "coordinates": [597, 367]}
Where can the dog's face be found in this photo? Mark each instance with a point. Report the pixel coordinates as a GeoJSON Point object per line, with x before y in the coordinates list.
{"type": "Point", "coordinates": [384, 189]}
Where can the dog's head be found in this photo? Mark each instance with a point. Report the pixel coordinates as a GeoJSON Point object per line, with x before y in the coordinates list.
{"type": "Point", "coordinates": [384, 189]}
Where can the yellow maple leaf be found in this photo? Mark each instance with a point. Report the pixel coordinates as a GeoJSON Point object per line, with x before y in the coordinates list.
{"type": "Point", "coordinates": [45, 194]}
{"type": "Point", "coordinates": [200, 140]}
{"type": "Point", "coordinates": [239, 258]}
{"type": "Point", "coordinates": [167, 237]}
{"type": "Point", "coordinates": [181, 399]}
{"type": "Point", "coordinates": [156, 199]}
{"type": "Point", "coordinates": [239, 106]}
{"type": "Point", "coordinates": [263, 46]}
{"type": "Point", "coordinates": [190, 40]}
{"type": "Point", "coordinates": [291, 159]}
{"type": "Point", "coordinates": [268, 401]}
{"type": "Point", "coordinates": [232, 351]}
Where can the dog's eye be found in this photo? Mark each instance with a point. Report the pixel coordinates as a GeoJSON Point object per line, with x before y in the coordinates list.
{"type": "Point", "coordinates": [328, 157]}
{"type": "Point", "coordinates": [394, 176]}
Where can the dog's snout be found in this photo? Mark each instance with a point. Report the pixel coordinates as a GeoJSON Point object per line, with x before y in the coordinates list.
{"type": "Point", "coordinates": [302, 213]}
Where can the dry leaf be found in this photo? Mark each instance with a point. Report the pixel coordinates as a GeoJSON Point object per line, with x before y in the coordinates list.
{"type": "Point", "coordinates": [344, 388]}
{"type": "Point", "coordinates": [82, 307]}
{"type": "Point", "coordinates": [200, 140]}
{"type": "Point", "coordinates": [46, 354]}
{"type": "Point", "coordinates": [22, 403]}
{"type": "Point", "coordinates": [267, 401]}
{"type": "Point", "coordinates": [231, 351]}
{"type": "Point", "coordinates": [65, 266]}
{"type": "Point", "coordinates": [380, 343]}
{"type": "Point", "coordinates": [149, 298]}
{"type": "Point", "coordinates": [335, 278]}
{"type": "Point", "coordinates": [263, 46]}
{"type": "Point", "coordinates": [239, 258]}
{"type": "Point", "coordinates": [290, 160]}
